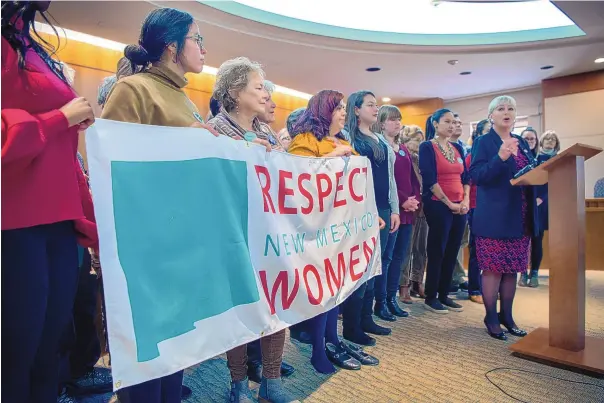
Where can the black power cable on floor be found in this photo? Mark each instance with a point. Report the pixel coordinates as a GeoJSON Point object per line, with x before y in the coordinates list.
{"type": "Point", "coordinates": [533, 373]}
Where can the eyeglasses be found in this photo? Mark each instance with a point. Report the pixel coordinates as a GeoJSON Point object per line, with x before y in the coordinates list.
{"type": "Point", "coordinates": [197, 38]}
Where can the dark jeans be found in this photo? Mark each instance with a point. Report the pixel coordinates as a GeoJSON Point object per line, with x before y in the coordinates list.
{"type": "Point", "coordinates": [387, 241]}
{"type": "Point", "coordinates": [360, 302]}
{"type": "Point", "coordinates": [163, 390]}
{"type": "Point", "coordinates": [474, 277]}
{"type": "Point", "coordinates": [384, 281]}
{"type": "Point", "coordinates": [536, 252]}
{"type": "Point", "coordinates": [400, 251]}
{"type": "Point", "coordinates": [444, 240]}
{"type": "Point", "coordinates": [39, 283]}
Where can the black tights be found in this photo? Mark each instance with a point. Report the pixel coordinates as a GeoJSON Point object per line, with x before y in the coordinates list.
{"type": "Point", "coordinates": [500, 286]}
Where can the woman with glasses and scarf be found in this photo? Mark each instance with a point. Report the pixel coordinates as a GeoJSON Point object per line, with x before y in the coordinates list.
{"type": "Point", "coordinates": [240, 91]}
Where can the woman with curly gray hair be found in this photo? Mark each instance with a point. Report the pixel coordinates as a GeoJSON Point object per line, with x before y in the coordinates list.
{"type": "Point", "coordinates": [241, 92]}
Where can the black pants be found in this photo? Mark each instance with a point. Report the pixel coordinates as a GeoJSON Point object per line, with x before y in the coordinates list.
{"type": "Point", "coordinates": [39, 283]}
{"type": "Point", "coordinates": [536, 252]}
{"type": "Point", "coordinates": [444, 239]}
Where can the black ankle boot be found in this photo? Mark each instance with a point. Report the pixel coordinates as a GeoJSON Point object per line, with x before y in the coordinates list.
{"type": "Point", "coordinates": [394, 309]}
{"type": "Point", "coordinates": [382, 312]}
{"type": "Point", "coordinates": [369, 326]}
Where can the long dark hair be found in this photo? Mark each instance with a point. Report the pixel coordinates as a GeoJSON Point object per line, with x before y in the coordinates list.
{"type": "Point", "coordinates": [436, 116]}
{"type": "Point", "coordinates": [359, 141]}
{"type": "Point", "coordinates": [317, 116]}
{"type": "Point", "coordinates": [162, 27]}
{"type": "Point", "coordinates": [21, 39]}
{"type": "Point", "coordinates": [479, 129]}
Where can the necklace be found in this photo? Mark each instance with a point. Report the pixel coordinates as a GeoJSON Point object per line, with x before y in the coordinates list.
{"type": "Point", "coordinates": [449, 153]}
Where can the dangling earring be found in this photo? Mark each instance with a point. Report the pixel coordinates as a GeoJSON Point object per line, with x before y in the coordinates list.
{"type": "Point", "coordinates": [237, 108]}
{"type": "Point", "coordinates": [174, 58]}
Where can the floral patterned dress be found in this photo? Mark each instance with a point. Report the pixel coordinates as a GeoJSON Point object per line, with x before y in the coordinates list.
{"type": "Point", "coordinates": [507, 255]}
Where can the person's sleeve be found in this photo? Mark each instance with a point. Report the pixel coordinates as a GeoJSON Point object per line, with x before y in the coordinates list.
{"type": "Point", "coordinates": [86, 227]}
{"type": "Point", "coordinates": [468, 162]}
{"type": "Point", "coordinates": [303, 147]}
{"type": "Point", "coordinates": [465, 175]}
{"type": "Point", "coordinates": [427, 164]}
{"type": "Point", "coordinates": [124, 104]}
{"type": "Point", "coordinates": [486, 169]}
{"type": "Point", "coordinates": [394, 201]}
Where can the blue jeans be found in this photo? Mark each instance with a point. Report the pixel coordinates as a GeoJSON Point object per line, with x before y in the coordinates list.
{"type": "Point", "coordinates": [400, 251]}
{"type": "Point", "coordinates": [474, 277]}
{"type": "Point", "coordinates": [387, 241]}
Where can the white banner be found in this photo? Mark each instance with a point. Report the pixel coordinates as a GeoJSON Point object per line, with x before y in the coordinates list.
{"type": "Point", "coordinates": [209, 243]}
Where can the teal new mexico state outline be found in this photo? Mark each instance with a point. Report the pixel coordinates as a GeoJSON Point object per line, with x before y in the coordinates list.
{"type": "Point", "coordinates": [182, 241]}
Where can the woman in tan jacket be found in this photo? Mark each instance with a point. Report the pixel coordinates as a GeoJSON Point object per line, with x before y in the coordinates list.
{"type": "Point", "coordinates": [169, 47]}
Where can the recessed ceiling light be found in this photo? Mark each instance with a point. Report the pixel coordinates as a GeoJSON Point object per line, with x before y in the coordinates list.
{"type": "Point", "coordinates": [599, 60]}
{"type": "Point", "coordinates": [547, 67]}
{"type": "Point", "coordinates": [386, 99]}
{"type": "Point", "coordinates": [372, 69]}
{"type": "Point", "coordinates": [453, 62]}
{"type": "Point", "coordinates": [465, 73]}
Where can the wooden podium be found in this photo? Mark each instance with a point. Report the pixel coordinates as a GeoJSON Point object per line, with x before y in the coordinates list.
{"type": "Point", "coordinates": [565, 341]}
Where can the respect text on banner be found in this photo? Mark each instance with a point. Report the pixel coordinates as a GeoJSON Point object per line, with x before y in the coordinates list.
{"type": "Point", "coordinates": [209, 243]}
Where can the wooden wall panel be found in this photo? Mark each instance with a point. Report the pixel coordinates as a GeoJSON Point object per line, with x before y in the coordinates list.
{"type": "Point", "coordinates": [92, 64]}
{"type": "Point", "coordinates": [416, 113]}
{"type": "Point", "coordinates": [555, 87]}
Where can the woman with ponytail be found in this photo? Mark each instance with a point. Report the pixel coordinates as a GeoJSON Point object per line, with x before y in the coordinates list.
{"type": "Point", "coordinates": [446, 202]}
{"type": "Point", "coordinates": [46, 205]}
{"type": "Point", "coordinates": [169, 47]}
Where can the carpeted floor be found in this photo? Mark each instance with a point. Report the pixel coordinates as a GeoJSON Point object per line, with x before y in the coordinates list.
{"type": "Point", "coordinates": [435, 358]}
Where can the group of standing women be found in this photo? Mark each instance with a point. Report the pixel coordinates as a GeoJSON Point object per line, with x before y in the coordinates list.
{"type": "Point", "coordinates": [40, 124]}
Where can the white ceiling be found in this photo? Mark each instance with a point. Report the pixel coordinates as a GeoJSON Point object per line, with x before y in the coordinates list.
{"type": "Point", "coordinates": [309, 63]}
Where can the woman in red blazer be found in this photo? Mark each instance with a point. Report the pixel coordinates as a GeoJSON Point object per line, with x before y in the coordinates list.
{"type": "Point", "coordinates": [46, 206]}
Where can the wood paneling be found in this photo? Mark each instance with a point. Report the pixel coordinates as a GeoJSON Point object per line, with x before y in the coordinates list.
{"type": "Point", "coordinates": [416, 113]}
{"type": "Point", "coordinates": [92, 64]}
{"type": "Point", "coordinates": [555, 87]}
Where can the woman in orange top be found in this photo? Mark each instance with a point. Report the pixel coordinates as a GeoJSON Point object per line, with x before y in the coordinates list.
{"type": "Point", "coordinates": [446, 203]}
{"type": "Point", "coordinates": [318, 134]}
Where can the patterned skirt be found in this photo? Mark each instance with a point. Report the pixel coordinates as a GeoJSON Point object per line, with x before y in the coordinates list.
{"type": "Point", "coordinates": [503, 255]}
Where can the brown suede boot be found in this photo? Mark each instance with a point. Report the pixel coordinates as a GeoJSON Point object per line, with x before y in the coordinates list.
{"type": "Point", "coordinates": [404, 294]}
{"type": "Point", "coordinates": [417, 290]}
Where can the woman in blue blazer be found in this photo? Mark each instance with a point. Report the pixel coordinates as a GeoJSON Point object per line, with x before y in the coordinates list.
{"type": "Point", "coordinates": [505, 217]}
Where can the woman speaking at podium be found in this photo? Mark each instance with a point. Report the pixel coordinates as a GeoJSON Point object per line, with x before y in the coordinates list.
{"type": "Point", "coordinates": [505, 216]}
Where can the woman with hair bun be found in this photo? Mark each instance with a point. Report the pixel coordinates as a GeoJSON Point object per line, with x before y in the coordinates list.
{"type": "Point", "coordinates": [150, 91]}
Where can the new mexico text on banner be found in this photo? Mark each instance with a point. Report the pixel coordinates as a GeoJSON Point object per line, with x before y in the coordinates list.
{"type": "Point", "coordinates": [209, 243]}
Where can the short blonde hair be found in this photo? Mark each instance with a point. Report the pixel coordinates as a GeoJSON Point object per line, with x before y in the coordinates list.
{"type": "Point", "coordinates": [550, 133]}
{"type": "Point", "coordinates": [501, 100]}
{"type": "Point", "coordinates": [232, 77]}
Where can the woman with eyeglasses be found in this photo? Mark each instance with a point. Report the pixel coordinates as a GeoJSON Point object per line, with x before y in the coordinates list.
{"type": "Point", "coordinates": [169, 46]}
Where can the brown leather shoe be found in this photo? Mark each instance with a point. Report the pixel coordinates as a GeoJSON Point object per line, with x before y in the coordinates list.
{"type": "Point", "coordinates": [477, 299]}
{"type": "Point", "coordinates": [417, 290]}
{"type": "Point", "coordinates": [404, 295]}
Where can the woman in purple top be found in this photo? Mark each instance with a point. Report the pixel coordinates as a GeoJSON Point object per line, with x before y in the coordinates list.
{"type": "Point", "coordinates": [408, 189]}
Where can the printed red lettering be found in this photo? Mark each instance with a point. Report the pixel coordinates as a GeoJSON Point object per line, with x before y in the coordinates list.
{"type": "Point", "coordinates": [305, 193]}
{"type": "Point", "coordinates": [311, 298]}
{"type": "Point", "coordinates": [368, 250]}
{"type": "Point", "coordinates": [339, 187]}
{"type": "Point", "coordinates": [285, 191]}
{"type": "Point", "coordinates": [266, 196]}
{"type": "Point", "coordinates": [353, 262]}
{"type": "Point", "coordinates": [354, 196]}
{"type": "Point", "coordinates": [282, 281]}
{"type": "Point", "coordinates": [323, 192]}
{"type": "Point", "coordinates": [331, 275]}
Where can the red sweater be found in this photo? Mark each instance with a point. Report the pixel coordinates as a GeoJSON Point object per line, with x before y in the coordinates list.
{"type": "Point", "coordinates": [42, 182]}
{"type": "Point", "coordinates": [449, 175]}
